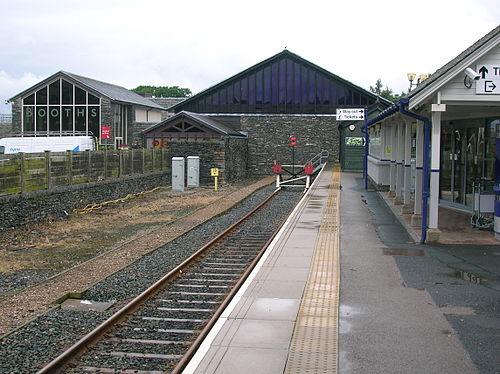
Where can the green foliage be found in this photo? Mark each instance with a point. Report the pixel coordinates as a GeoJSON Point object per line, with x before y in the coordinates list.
{"type": "Point", "coordinates": [164, 91]}
{"type": "Point", "coordinates": [386, 92]}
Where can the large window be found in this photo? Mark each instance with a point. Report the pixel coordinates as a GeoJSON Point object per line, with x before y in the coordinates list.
{"type": "Point", "coordinates": [61, 108]}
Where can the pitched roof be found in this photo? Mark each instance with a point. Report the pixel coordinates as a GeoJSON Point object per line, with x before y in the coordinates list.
{"type": "Point", "coordinates": [448, 67]}
{"type": "Point", "coordinates": [203, 120]}
{"type": "Point", "coordinates": [111, 91]}
{"type": "Point", "coordinates": [284, 53]}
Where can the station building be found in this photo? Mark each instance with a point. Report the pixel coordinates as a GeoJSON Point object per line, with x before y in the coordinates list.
{"type": "Point", "coordinates": [69, 104]}
{"type": "Point", "coordinates": [282, 96]}
{"type": "Point", "coordinates": [433, 148]}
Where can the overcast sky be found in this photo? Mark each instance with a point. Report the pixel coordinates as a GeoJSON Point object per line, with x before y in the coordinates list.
{"type": "Point", "coordinates": [196, 44]}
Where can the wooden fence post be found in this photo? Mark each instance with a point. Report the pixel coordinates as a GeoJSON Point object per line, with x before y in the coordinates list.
{"type": "Point", "coordinates": [143, 161]}
{"type": "Point", "coordinates": [153, 159]}
{"type": "Point", "coordinates": [23, 170]}
{"type": "Point", "coordinates": [70, 167]}
{"type": "Point", "coordinates": [131, 161]}
{"type": "Point", "coordinates": [48, 170]}
{"type": "Point", "coordinates": [89, 165]}
{"type": "Point", "coordinates": [162, 154]}
{"type": "Point", "coordinates": [120, 163]}
{"type": "Point", "coordinates": [105, 163]}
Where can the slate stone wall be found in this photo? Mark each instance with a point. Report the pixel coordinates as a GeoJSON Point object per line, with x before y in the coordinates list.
{"type": "Point", "coordinates": [16, 116]}
{"type": "Point", "coordinates": [211, 153]}
{"type": "Point", "coordinates": [236, 158]}
{"type": "Point", "coordinates": [268, 139]}
{"type": "Point", "coordinates": [21, 209]}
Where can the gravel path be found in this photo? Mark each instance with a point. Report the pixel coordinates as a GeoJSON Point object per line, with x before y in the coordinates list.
{"type": "Point", "coordinates": [43, 338]}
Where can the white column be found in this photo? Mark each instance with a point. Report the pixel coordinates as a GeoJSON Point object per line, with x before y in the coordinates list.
{"type": "Point", "coordinates": [399, 160]}
{"type": "Point", "coordinates": [407, 163]}
{"type": "Point", "coordinates": [418, 167]}
{"type": "Point", "coordinates": [393, 147]}
{"type": "Point", "coordinates": [435, 163]}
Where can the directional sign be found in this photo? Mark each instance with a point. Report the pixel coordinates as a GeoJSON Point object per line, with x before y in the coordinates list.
{"type": "Point", "coordinates": [355, 114]}
{"type": "Point", "coordinates": [489, 80]}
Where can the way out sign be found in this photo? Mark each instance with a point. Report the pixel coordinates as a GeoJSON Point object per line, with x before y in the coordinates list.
{"type": "Point", "coordinates": [350, 114]}
{"type": "Point", "coordinates": [489, 80]}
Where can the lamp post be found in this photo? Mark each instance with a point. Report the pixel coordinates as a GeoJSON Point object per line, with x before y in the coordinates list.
{"type": "Point", "coordinates": [412, 76]}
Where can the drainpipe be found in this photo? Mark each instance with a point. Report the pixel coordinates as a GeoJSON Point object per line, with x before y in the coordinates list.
{"type": "Point", "coordinates": [425, 181]}
{"type": "Point", "coordinates": [367, 144]}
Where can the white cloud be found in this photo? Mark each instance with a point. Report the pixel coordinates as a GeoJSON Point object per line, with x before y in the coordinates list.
{"type": "Point", "coordinates": [198, 43]}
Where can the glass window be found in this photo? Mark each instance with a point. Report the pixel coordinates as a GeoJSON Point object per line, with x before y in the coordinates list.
{"type": "Point", "coordinates": [80, 96]}
{"type": "Point", "coordinates": [282, 82]}
{"type": "Point", "coordinates": [41, 96]}
{"type": "Point", "coordinates": [289, 82]}
{"type": "Point", "coordinates": [41, 119]}
{"type": "Point", "coordinates": [348, 96]}
{"type": "Point", "coordinates": [54, 93]}
{"type": "Point", "coordinates": [67, 92]}
{"type": "Point", "coordinates": [297, 87]}
{"type": "Point", "coordinates": [326, 91]}
{"type": "Point", "coordinates": [29, 118]}
{"type": "Point", "coordinates": [319, 89]}
{"type": "Point", "coordinates": [356, 98]}
{"type": "Point", "coordinates": [54, 118]}
{"type": "Point", "coordinates": [267, 85]}
{"type": "Point", "coordinates": [30, 100]}
{"type": "Point", "coordinates": [258, 87]}
{"type": "Point", "coordinates": [94, 121]}
{"type": "Point", "coordinates": [80, 118]}
{"type": "Point", "coordinates": [93, 99]}
{"type": "Point", "coordinates": [244, 90]}
{"type": "Point", "coordinates": [67, 118]}
{"type": "Point", "coordinates": [333, 93]}
{"type": "Point", "coordinates": [236, 93]}
{"type": "Point", "coordinates": [222, 97]}
{"type": "Point", "coordinates": [251, 89]}
{"type": "Point", "coordinates": [312, 87]}
{"type": "Point", "coordinates": [304, 85]}
{"type": "Point", "coordinates": [274, 83]}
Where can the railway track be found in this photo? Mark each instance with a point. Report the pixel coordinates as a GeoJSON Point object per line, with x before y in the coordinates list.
{"type": "Point", "coordinates": [159, 330]}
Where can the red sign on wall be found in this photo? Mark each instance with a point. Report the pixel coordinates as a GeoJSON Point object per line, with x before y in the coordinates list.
{"type": "Point", "coordinates": [105, 132]}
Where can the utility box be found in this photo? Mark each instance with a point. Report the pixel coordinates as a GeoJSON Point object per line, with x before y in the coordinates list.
{"type": "Point", "coordinates": [193, 171]}
{"type": "Point", "coordinates": [178, 174]}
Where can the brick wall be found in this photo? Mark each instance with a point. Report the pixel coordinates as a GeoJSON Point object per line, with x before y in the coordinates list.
{"type": "Point", "coordinates": [268, 139]}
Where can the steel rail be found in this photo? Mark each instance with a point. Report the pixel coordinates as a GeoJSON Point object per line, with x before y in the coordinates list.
{"type": "Point", "coordinates": [79, 348]}
{"type": "Point", "coordinates": [213, 320]}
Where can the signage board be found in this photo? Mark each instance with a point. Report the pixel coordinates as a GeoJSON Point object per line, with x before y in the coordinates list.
{"type": "Point", "coordinates": [489, 80]}
{"type": "Point", "coordinates": [350, 114]}
{"type": "Point", "coordinates": [105, 132]}
{"type": "Point", "coordinates": [214, 172]}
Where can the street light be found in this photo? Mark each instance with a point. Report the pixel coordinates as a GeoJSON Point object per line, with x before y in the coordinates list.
{"type": "Point", "coordinates": [412, 76]}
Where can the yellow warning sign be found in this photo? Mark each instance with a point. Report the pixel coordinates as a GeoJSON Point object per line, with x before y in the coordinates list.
{"type": "Point", "coordinates": [214, 172]}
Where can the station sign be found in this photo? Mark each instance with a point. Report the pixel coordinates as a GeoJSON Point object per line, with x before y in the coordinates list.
{"type": "Point", "coordinates": [105, 132]}
{"type": "Point", "coordinates": [350, 114]}
{"type": "Point", "coordinates": [489, 80]}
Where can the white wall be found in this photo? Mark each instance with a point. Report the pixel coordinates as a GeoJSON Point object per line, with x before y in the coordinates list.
{"type": "Point", "coordinates": [455, 90]}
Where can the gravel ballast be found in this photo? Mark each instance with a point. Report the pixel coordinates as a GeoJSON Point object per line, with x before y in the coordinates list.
{"type": "Point", "coordinates": [30, 347]}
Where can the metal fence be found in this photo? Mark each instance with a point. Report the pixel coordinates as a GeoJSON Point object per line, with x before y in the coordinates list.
{"type": "Point", "coordinates": [25, 172]}
{"type": "Point", "coordinates": [5, 119]}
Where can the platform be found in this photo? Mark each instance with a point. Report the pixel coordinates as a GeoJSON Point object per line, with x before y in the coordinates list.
{"type": "Point", "coordinates": [285, 319]}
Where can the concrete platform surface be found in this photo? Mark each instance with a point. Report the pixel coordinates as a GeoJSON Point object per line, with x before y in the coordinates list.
{"type": "Point", "coordinates": [403, 310]}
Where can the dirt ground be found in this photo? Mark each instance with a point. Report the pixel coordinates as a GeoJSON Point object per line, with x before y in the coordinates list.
{"type": "Point", "coordinates": [60, 244]}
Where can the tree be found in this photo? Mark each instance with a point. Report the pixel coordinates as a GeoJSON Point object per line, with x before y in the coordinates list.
{"type": "Point", "coordinates": [386, 92]}
{"type": "Point", "coordinates": [163, 91]}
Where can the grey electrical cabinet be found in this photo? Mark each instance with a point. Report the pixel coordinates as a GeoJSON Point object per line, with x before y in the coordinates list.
{"type": "Point", "coordinates": [178, 174]}
{"type": "Point", "coordinates": [193, 171]}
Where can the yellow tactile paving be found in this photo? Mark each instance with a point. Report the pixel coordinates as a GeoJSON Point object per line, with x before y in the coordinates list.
{"type": "Point", "coordinates": [314, 344]}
